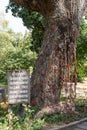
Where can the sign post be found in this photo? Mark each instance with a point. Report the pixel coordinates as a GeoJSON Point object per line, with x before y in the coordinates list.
{"type": "Point", "coordinates": [18, 89]}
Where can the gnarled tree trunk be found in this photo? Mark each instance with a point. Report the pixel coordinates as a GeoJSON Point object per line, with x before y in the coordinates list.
{"type": "Point", "coordinates": [56, 63]}
{"type": "Point", "coordinates": [55, 66]}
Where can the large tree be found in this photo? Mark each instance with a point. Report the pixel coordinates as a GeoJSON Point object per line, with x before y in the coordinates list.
{"type": "Point", "coordinates": [35, 21]}
{"type": "Point", "coordinates": [56, 64]}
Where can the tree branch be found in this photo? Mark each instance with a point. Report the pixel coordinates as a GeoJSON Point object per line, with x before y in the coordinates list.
{"type": "Point", "coordinates": [41, 6]}
{"type": "Point", "coordinates": [35, 5]}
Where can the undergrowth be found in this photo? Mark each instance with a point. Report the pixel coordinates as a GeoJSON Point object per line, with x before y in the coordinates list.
{"type": "Point", "coordinates": [24, 120]}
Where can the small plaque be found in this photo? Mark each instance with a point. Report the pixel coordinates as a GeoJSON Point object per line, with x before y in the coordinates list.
{"type": "Point", "coordinates": [18, 87]}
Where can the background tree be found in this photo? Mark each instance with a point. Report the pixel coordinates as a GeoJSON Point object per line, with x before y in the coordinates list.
{"type": "Point", "coordinates": [55, 66]}
{"type": "Point", "coordinates": [81, 51]}
{"type": "Point", "coordinates": [15, 52]}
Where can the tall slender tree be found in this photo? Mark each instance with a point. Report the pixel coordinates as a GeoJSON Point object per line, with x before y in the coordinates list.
{"type": "Point", "coordinates": [56, 64]}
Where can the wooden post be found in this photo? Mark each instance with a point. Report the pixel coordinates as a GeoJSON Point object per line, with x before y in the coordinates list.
{"type": "Point", "coordinates": [18, 91]}
{"type": "Point", "coordinates": [21, 110]}
{"type": "Point", "coordinates": [10, 115]}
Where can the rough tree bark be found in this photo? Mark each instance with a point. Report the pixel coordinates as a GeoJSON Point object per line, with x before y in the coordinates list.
{"type": "Point", "coordinates": [55, 65]}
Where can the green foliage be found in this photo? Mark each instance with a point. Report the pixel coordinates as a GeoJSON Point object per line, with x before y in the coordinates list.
{"type": "Point", "coordinates": [81, 101]}
{"type": "Point", "coordinates": [15, 53]}
{"type": "Point", "coordinates": [80, 105]}
{"type": "Point", "coordinates": [82, 51]}
{"type": "Point", "coordinates": [24, 122]}
{"type": "Point", "coordinates": [56, 118]}
{"type": "Point", "coordinates": [3, 119]}
{"type": "Point", "coordinates": [71, 117]}
{"type": "Point", "coordinates": [33, 21]}
{"type": "Point", "coordinates": [27, 121]}
{"type": "Point", "coordinates": [20, 57]}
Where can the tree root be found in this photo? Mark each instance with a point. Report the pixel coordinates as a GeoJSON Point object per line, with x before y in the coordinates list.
{"type": "Point", "coordinates": [50, 110]}
{"type": "Point", "coordinates": [47, 111]}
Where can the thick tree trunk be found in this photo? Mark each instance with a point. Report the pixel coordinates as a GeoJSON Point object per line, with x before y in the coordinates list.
{"type": "Point", "coordinates": [55, 67]}
{"type": "Point", "coordinates": [55, 64]}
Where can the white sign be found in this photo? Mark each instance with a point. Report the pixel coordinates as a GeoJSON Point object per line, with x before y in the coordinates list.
{"type": "Point", "coordinates": [18, 86]}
